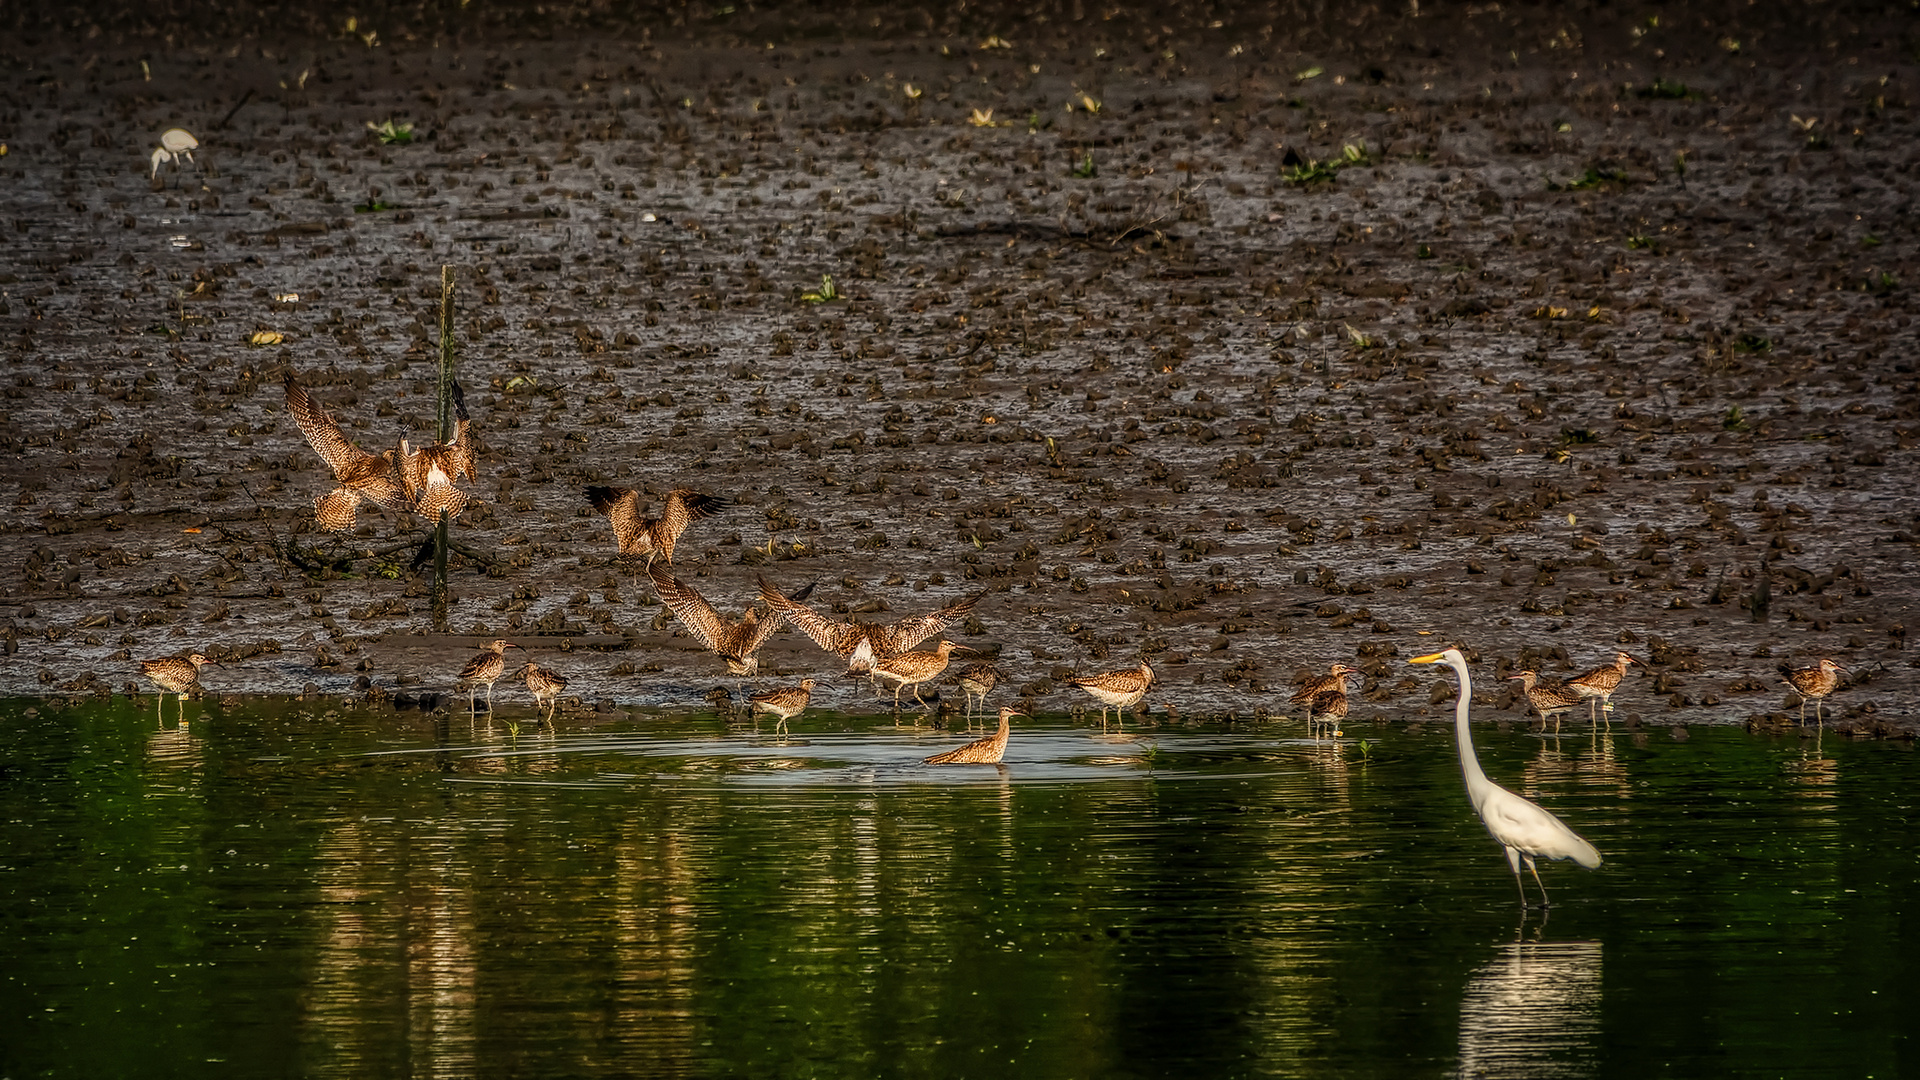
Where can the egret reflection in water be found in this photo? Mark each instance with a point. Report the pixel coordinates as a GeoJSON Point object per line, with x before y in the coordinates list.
{"type": "Point", "coordinates": [1533, 1012]}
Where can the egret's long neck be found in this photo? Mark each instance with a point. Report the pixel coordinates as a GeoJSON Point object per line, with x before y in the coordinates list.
{"type": "Point", "coordinates": [1469, 761]}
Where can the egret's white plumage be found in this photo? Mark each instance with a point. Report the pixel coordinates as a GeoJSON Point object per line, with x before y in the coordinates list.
{"type": "Point", "coordinates": [1526, 831]}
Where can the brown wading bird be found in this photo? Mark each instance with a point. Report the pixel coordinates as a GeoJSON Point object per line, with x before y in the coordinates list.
{"type": "Point", "coordinates": [652, 539]}
{"type": "Point", "coordinates": [987, 751]}
{"type": "Point", "coordinates": [977, 681]}
{"type": "Point", "coordinates": [175, 674]}
{"type": "Point", "coordinates": [1121, 689]}
{"type": "Point", "coordinates": [913, 668]}
{"type": "Point", "coordinates": [1598, 685]}
{"type": "Point", "coordinates": [546, 686]}
{"type": "Point", "coordinates": [363, 476]}
{"type": "Point", "coordinates": [860, 644]}
{"type": "Point", "coordinates": [427, 475]}
{"type": "Point", "coordinates": [486, 667]}
{"type": "Point", "coordinates": [1334, 681]}
{"type": "Point", "coordinates": [734, 642]}
{"type": "Point", "coordinates": [1551, 701]}
{"type": "Point", "coordinates": [1332, 707]}
{"type": "Point", "coordinates": [784, 703]}
{"type": "Point", "coordinates": [1812, 684]}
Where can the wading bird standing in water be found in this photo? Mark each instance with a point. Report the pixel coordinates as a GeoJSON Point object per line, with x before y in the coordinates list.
{"type": "Point", "coordinates": [1812, 684]}
{"type": "Point", "coordinates": [1119, 690]}
{"type": "Point", "coordinates": [987, 751]}
{"type": "Point", "coordinates": [1598, 685]}
{"type": "Point", "coordinates": [175, 675]}
{"type": "Point", "coordinates": [1525, 830]}
{"type": "Point", "coordinates": [784, 704]}
{"type": "Point", "coordinates": [486, 667]}
{"type": "Point", "coordinates": [546, 685]}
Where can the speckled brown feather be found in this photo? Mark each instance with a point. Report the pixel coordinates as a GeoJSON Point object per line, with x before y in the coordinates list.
{"type": "Point", "coordinates": [546, 686]}
{"type": "Point", "coordinates": [363, 476]}
{"type": "Point", "coordinates": [987, 751]}
{"type": "Point", "coordinates": [652, 539]}
{"type": "Point", "coordinates": [175, 674]}
{"type": "Point", "coordinates": [1813, 684]}
{"type": "Point", "coordinates": [977, 681]}
{"type": "Point", "coordinates": [1549, 699]}
{"type": "Point", "coordinates": [913, 668]}
{"type": "Point", "coordinates": [1335, 679]}
{"type": "Point", "coordinates": [884, 641]}
{"type": "Point", "coordinates": [1121, 689]}
{"type": "Point", "coordinates": [1330, 706]}
{"type": "Point", "coordinates": [784, 703]}
{"type": "Point", "coordinates": [734, 642]}
{"type": "Point", "coordinates": [1600, 683]}
{"type": "Point", "coordinates": [486, 667]}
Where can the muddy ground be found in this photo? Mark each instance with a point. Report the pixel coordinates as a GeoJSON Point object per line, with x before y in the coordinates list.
{"type": "Point", "coordinates": [1600, 337]}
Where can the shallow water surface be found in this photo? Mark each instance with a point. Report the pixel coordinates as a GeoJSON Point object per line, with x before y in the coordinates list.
{"type": "Point", "coordinates": [279, 889]}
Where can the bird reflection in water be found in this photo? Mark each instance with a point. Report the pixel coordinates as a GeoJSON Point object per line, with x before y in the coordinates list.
{"type": "Point", "coordinates": [1533, 1011]}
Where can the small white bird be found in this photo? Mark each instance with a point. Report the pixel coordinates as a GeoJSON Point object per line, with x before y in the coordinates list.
{"type": "Point", "coordinates": [1526, 831]}
{"type": "Point", "coordinates": [175, 143]}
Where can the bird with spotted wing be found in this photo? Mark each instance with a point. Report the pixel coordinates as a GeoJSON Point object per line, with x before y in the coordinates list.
{"type": "Point", "coordinates": [428, 474]}
{"type": "Point", "coordinates": [861, 644]}
{"type": "Point", "coordinates": [733, 641]}
{"type": "Point", "coordinates": [647, 537]}
{"type": "Point", "coordinates": [363, 477]}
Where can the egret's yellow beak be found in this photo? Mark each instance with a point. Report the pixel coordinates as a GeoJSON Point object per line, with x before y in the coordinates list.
{"type": "Point", "coordinates": [1430, 658]}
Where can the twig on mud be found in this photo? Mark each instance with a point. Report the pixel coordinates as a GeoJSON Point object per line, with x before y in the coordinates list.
{"type": "Point", "coordinates": [238, 105]}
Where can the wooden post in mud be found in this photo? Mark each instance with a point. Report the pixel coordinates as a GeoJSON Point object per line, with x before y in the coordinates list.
{"type": "Point", "coordinates": [440, 599]}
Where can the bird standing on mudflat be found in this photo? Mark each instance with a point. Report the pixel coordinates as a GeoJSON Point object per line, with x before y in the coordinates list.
{"type": "Point", "coordinates": [362, 476]}
{"type": "Point", "coordinates": [1812, 684]}
{"type": "Point", "coordinates": [1334, 681]}
{"type": "Point", "coordinates": [913, 668]}
{"type": "Point", "coordinates": [546, 685]}
{"type": "Point", "coordinates": [1550, 700]}
{"type": "Point", "coordinates": [486, 667]}
{"type": "Point", "coordinates": [1599, 684]}
{"type": "Point", "coordinates": [734, 642]}
{"type": "Point", "coordinates": [1524, 830]}
{"type": "Point", "coordinates": [1122, 689]}
{"type": "Point", "coordinates": [646, 537]}
{"type": "Point", "coordinates": [860, 644]}
{"type": "Point", "coordinates": [784, 703]}
{"type": "Point", "coordinates": [987, 751]}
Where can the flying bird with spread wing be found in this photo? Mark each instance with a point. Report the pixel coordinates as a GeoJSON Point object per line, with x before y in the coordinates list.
{"type": "Point", "coordinates": [860, 643]}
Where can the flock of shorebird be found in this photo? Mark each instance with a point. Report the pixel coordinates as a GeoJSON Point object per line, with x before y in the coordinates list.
{"type": "Point", "coordinates": [424, 478]}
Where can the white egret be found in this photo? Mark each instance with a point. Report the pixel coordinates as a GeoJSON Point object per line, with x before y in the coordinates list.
{"type": "Point", "coordinates": [1526, 831]}
{"type": "Point", "coordinates": [175, 144]}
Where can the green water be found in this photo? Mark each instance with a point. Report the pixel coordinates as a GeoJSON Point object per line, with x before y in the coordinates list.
{"type": "Point", "coordinates": [280, 890]}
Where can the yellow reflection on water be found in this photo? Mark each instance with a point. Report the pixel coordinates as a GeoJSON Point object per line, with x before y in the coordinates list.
{"type": "Point", "coordinates": [1533, 1011]}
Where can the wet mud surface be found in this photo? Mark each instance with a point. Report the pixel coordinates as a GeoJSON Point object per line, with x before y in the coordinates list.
{"type": "Point", "coordinates": [1600, 337]}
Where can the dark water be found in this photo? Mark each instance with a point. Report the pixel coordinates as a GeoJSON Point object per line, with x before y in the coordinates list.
{"type": "Point", "coordinates": [276, 890]}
